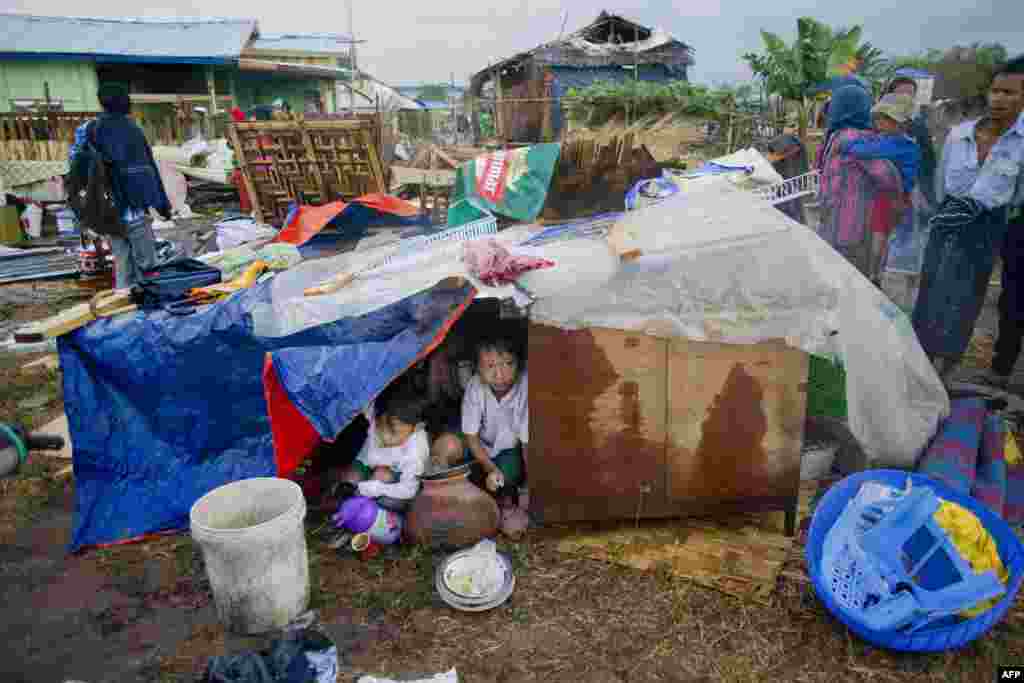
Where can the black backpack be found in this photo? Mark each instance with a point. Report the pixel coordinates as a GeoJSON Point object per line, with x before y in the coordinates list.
{"type": "Point", "coordinates": [94, 202]}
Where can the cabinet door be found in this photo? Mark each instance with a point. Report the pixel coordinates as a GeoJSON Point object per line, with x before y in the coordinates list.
{"type": "Point", "coordinates": [736, 416]}
{"type": "Point", "coordinates": [597, 423]}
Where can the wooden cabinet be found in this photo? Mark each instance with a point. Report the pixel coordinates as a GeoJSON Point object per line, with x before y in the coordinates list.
{"type": "Point", "coordinates": [626, 425]}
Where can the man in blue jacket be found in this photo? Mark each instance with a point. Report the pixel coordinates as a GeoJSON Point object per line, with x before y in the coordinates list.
{"type": "Point", "coordinates": [135, 180]}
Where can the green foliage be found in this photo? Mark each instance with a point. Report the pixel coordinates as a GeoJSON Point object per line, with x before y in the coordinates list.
{"type": "Point", "coordinates": [964, 71]}
{"type": "Point", "coordinates": [818, 54]}
{"type": "Point", "coordinates": [604, 100]}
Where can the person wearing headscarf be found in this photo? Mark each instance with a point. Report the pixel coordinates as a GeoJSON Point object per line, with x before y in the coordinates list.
{"type": "Point", "coordinates": [135, 180]}
{"type": "Point", "coordinates": [855, 194]}
{"type": "Point", "coordinates": [980, 180]}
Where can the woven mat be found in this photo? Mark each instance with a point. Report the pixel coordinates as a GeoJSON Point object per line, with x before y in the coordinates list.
{"type": "Point", "coordinates": [741, 555]}
{"type": "Point", "coordinates": [18, 173]}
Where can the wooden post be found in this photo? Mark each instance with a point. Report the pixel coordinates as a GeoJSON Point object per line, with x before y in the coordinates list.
{"type": "Point", "coordinates": [547, 125]}
{"type": "Point", "coordinates": [233, 89]}
{"type": "Point", "coordinates": [250, 186]}
{"type": "Point", "coordinates": [211, 83]}
{"type": "Point", "coordinates": [499, 119]}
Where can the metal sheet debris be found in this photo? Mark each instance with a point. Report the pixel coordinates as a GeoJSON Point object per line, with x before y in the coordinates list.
{"type": "Point", "coordinates": [37, 264]}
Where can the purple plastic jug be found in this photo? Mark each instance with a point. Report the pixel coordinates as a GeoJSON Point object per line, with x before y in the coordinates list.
{"type": "Point", "coordinates": [360, 514]}
{"type": "Point", "coordinates": [356, 514]}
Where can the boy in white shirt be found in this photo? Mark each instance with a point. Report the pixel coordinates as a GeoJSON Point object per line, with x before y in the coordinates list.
{"type": "Point", "coordinates": [496, 419]}
{"type": "Point", "coordinates": [395, 452]}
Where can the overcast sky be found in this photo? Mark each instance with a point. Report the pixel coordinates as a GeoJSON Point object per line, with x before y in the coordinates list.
{"type": "Point", "coordinates": [411, 42]}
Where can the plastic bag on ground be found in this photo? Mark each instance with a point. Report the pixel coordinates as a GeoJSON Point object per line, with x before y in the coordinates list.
{"type": "Point", "coordinates": [241, 230]}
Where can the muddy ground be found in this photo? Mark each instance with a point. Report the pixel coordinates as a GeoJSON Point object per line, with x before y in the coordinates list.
{"type": "Point", "coordinates": [144, 612]}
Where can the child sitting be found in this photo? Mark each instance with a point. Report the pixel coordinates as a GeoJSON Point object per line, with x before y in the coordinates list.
{"type": "Point", "coordinates": [495, 422]}
{"type": "Point", "coordinates": [395, 452]}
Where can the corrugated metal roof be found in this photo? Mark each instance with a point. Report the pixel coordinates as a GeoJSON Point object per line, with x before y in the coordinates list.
{"type": "Point", "coordinates": [164, 40]}
{"type": "Point", "coordinates": [324, 43]}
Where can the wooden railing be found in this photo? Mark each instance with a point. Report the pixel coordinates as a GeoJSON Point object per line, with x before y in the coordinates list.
{"type": "Point", "coordinates": [42, 126]}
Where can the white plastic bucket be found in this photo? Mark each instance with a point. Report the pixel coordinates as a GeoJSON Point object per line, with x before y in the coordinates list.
{"type": "Point", "coordinates": [254, 546]}
{"type": "Point", "coordinates": [32, 217]}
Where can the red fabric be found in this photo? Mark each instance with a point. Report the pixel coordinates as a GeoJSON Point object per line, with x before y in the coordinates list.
{"type": "Point", "coordinates": [293, 435]}
{"type": "Point", "coordinates": [244, 203]}
{"type": "Point", "coordinates": [887, 213]}
{"type": "Point", "coordinates": [236, 115]}
{"type": "Point", "coordinates": [310, 220]}
{"type": "Point", "coordinates": [496, 265]}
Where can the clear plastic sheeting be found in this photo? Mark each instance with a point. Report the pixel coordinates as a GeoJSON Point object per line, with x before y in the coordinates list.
{"type": "Point", "coordinates": [289, 311]}
{"type": "Point", "coordinates": [724, 266]}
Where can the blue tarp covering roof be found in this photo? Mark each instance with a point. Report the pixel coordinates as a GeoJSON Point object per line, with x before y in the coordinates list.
{"type": "Point", "coordinates": [136, 40]}
{"type": "Point", "coordinates": [164, 408]}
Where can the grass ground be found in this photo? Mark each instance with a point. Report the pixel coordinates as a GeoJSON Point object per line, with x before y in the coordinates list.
{"type": "Point", "coordinates": [574, 619]}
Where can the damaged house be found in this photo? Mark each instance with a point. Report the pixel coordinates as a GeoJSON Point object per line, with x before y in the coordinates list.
{"type": "Point", "coordinates": [178, 71]}
{"type": "Point", "coordinates": [611, 48]}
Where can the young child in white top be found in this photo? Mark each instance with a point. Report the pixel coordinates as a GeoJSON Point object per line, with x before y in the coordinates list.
{"type": "Point", "coordinates": [396, 450]}
{"type": "Point", "coordinates": [496, 417]}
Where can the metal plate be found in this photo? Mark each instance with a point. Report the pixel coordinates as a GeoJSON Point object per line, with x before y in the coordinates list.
{"type": "Point", "coordinates": [467, 603]}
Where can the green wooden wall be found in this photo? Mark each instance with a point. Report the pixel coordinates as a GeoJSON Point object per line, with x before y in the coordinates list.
{"type": "Point", "coordinates": [253, 89]}
{"type": "Point", "coordinates": [74, 83]}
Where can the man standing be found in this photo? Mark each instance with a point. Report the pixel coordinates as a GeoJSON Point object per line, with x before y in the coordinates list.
{"type": "Point", "coordinates": [1010, 98]}
{"type": "Point", "coordinates": [979, 179]}
{"type": "Point", "coordinates": [135, 180]}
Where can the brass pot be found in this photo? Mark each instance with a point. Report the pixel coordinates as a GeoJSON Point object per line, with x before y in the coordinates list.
{"type": "Point", "coordinates": [451, 512]}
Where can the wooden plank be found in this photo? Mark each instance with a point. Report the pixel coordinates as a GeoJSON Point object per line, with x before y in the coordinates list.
{"type": "Point", "coordinates": [742, 555]}
{"type": "Point", "coordinates": [45, 364]}
{"type": "Point", "coordinates": [626, 149]}
{"type": "Point", "coordinates": [143, 98]}
{"type": "Point", "coordinates": [735, 416]}
{"type": "Point", "coordinates": [286, 126]}
{"type": "Point", "coordinates": [250, 186]}
{"type": "Point", "coordinates": [597, 423]}
{"type": "Point", "coordinates": [376, 167]}
{"type": "Point", "coordinates": [444, 157]}
{"type": "Point", "coordinates": [401, 175]}
{"type": "Point", "coordinates": [107, 303]}
{"type": "Point", "coordinates": [307, 142]}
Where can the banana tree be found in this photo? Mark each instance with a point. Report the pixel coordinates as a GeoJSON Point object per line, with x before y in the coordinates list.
{"type": "Point", "coordinates": [796, 72]}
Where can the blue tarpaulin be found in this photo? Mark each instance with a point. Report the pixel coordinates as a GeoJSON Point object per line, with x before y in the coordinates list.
{"type": "Point", "coordinates": [162, 408]}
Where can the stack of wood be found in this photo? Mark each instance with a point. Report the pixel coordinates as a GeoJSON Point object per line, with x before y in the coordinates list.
{"type": "Point", "coordinates": [431, 176]}
{"type": "Point", "coordinates": [306, 162]}
{"type": "Point", "coordinates": [593, 177]}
